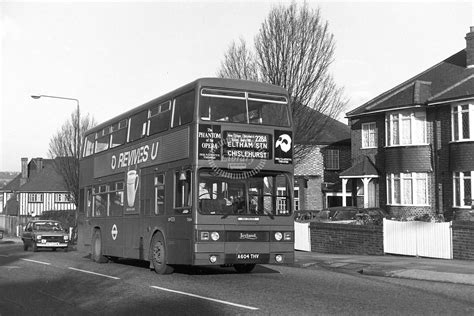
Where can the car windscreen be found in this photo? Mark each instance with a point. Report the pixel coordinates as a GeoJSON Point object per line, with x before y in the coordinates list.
{"type": "Point", "coordinates": [46, 226]}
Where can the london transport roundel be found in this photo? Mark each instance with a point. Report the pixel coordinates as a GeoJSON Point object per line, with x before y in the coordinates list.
{"type": "Point", "coordinates": [114, 232]}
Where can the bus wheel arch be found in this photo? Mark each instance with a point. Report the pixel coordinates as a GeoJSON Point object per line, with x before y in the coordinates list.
{"type": "Point", "coordinates": [97, 247]}
{"type": "Point", "coordinates": [158, 254]}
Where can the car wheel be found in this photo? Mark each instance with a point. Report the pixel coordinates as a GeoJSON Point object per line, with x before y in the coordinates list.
{"type": "Point", "coordinates": [244, 268]}
{"type": "Point", "coordinates": [96, 251]}
{"type": "Point", "coordinates": [158, 255]}
{"type": "Point", "coordinates": [66, 249]}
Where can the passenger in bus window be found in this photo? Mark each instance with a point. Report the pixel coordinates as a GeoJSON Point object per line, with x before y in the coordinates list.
{"type": "Point", "coordinates": [239, 205]}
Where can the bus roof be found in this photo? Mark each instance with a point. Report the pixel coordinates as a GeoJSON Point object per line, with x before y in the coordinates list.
{"type": "Point", "coordinates": [201, 82]}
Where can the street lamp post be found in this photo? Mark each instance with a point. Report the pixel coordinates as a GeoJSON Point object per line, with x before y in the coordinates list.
{"type": "Point", "coordinates": [77, 129]}
{"type": "Point", "coordinates": [76, 145]}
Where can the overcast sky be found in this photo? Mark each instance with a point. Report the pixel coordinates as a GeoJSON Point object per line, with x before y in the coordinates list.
{"type": "Point", "coordinates": [115, 56]}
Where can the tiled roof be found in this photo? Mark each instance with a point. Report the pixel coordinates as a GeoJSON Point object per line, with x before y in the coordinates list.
{"type": "Point", "coordinates": [364, 167]}
{"type": "Point", "coordinates": [324, 131]}
{"type": "Point", "coordinates": [46, 180]}
{"type": "Point", "coordinates": [13, 185]}
{"type": "Point", "coordinates": [447, 80]}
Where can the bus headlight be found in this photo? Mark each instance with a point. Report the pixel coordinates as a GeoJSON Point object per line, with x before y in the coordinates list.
{"type": "Point", "coordinates": [66, 237]}
{"type": "Point", "coordinates": [278, 236]}
{"type": "Point", "coordinates": [215, 236]}
{"type": "Point", "coordinates": [38, 237]}
{"type": "Point", "coordinates": [212, 258]}
{"type": "Point", "coordinates": [288, 236]}
{"type": "Point", "coordinates": [279, 258]}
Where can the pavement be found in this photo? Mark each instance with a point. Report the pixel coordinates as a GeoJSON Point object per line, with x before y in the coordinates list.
{"type": "Point", "coordinates": [406, 267]}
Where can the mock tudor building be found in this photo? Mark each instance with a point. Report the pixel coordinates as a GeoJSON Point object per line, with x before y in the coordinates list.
{"type": "Point", "coordinates": [413, 145]}
{"type": "Point", "coordinates": [38, 188]}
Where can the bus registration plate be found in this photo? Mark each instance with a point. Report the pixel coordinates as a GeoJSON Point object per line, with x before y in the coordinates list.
{"type": "Point", "coordinates": [248, 256]}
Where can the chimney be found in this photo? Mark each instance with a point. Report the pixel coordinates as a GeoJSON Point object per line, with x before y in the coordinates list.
{"type": "Point", "coordinates": [470, 48]}
{"type": "Point", "coordinates": [24, 171]}
{"type": "Point", "coordinates": [39, 164]}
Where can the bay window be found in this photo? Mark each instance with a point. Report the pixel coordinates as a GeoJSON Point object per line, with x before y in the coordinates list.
{"type": "Point", "coordinates": [407, 188]}
{"type": "Point", "coordinates": [462, 184]}
{"type": "Point", "coordinates": [461, 121]}
{"type": "Point", "coordinates": [406, 128]}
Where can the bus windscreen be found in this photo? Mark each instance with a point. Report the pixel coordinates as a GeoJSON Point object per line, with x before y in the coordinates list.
{"type": "Point", "coordinates": [262, 194]}
{"type": "Point", "coordinates": [244, 107]}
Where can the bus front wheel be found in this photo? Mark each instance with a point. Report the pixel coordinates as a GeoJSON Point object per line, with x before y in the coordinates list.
{"type": "Point", "coordinates": [158, 253]}
{"type": "Point", "coordinates": [244, 268]}
{"type": "Point", "coordinates": [96, 244]}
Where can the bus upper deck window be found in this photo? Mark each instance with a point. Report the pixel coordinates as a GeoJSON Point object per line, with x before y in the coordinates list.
{"type": "Point", "coordinates": [138, 124]}
{"type": "Point", "coordinates": [159, 118]}
{"type": "Point", "coordinates": [89, 145]}
{"type": "Point", "coordinates": [183, 109]}
{"type": "Point", "coordinates": [119, 134]}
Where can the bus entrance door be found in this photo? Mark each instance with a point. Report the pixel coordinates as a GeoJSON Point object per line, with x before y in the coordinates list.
{"type": "Point", "coordinates": [179, 227]}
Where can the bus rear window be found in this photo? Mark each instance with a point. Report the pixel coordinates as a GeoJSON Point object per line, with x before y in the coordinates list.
{"type": "Point", "coordinates": [242, 107]}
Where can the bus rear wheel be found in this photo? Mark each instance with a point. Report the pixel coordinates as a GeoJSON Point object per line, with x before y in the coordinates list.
{"type": "Point", "coordinates": [96, 245]}
{"type": "Point", "coordinates": [158, 253]}
{"type": "Point", "coordinates": [244, 268]}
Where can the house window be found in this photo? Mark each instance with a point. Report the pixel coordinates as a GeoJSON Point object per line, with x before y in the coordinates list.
{"type": "Point", "coordinates": [35, 197]}
{"type": "Point", "coordinates": [369, 135]}
{"type": "Point", "coordinates": [332, 159]}
{"type": "Point", "coordinates": [407, 188]}
{"type": "Point", "coordinates": [297, 198]}
{"type": "Point", "coordinates": [461, 121]}
{"type": "Point", "coordinates": [406, 128]}
{"type": "Point", "coordinates": [62, 198]}
{"type": "Point", "coordinates": [462, 184]}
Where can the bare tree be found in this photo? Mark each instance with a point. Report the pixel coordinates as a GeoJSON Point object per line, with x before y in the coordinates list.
{"type": "Point", "coordinates": [294, 50]}
{"type": "Point", "coordinates": [65, 147]}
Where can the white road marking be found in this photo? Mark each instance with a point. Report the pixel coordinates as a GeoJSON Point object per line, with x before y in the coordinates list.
{"type": "Point", "coordinates": [4, 255]}
{"type": "Point", "coordinates": [40, 262]}
{"type": "Point", "coordinates": [206, 298]}
{"type": "Point", "coordinates": [95, 273]}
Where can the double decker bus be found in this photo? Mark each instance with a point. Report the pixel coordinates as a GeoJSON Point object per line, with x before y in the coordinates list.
{"type": "Point", "coordinates": [202, 175]}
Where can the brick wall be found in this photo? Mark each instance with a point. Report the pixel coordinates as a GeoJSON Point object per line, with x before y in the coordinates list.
{"type": "Point", "coordinates": [463, 240]}
{"type": "Point", "coordinates": [346, 239]}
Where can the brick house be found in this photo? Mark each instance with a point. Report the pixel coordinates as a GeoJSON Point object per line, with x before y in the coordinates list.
{"type": "Point", "coordinates": [413, 145]}
{"type": "Point", "coordinates": [317, 183]}
{"type": "Point", "coordinates": [38, 188]}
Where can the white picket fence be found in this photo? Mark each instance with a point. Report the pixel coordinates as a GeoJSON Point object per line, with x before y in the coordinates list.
{"type": "Point", "coordinates": [302, 237]}
{"type": "Point", "coordinates": [432, 240]}
{"type": "Point", "coordinates": [422, 239]}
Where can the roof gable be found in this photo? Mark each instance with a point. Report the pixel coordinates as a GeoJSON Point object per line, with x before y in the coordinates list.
{"type": "Point", "coordinates": [450, 75]}
{"type": "Point", "coordinates": [47, 179]}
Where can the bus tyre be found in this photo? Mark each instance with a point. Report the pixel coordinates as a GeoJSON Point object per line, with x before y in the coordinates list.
{"type": "Point", "coordinates": [158, 255]}
{"type": "Point", "coordinates": [244, 268]}
{"type": "Point", "coordinates": [96, 251]}
{"type": "Point", "coordinates": [35, 248]}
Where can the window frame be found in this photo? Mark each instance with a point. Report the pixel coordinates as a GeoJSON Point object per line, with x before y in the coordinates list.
{"type": "Point", "coordinates": [462, 198]}
{"type": "Point", "coordinates": [368, 129]}
{"type": "Point", "coordinates": [332, 159]}
{"type": "Point", "coordinates": [457, 126]}
{"type": "Point", "coordinates": [35, 197]}
{"type": "Point", "coordinates": [402, 178]}
{"type": "Point", "coordinates": [403, 116]}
